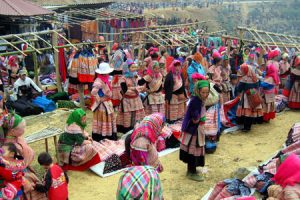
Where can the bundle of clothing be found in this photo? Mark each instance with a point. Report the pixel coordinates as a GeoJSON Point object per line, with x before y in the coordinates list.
{"type": "Point", "coordinates": [230, 189]}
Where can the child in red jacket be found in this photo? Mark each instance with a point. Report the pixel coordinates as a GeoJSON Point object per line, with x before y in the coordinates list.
{"type": "Point", "coordinates": [55, 182]}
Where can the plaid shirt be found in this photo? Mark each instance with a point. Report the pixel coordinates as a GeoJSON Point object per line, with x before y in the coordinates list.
{"type": "Point", "coordinates": [140, 182]}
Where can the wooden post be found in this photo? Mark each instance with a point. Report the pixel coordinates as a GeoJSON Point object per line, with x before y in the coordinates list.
{"type": "Point", "coordinates": [81, 95]}
{"type": "Point", "coordinates": [56, 62]}
{"type": "Point", "coordinates": [36, 73]}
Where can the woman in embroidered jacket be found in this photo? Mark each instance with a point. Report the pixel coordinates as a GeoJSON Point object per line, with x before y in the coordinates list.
{"type": "Point", "coordinates": [268, 89]}
{"type": "Point", "coordinates": [117, 63]}
{"type": "Point", "coordinates": [131, 109]}
{"type": "Point", "coordinates": [284, 69]}
{"type": "Point", "coordinates": [292, 87]}
{"type": "Point", "coordinates": [143, 139]}
{"type": "Point", "coordinates": [75, 146]}
{"type": "Point", "coordinates": [155, 101]}
{"type": "Point", "coordinates": [192, 148]}
{"type": "Point", "coordinates": [175, 95]}
{"type": "Point", "coordinates": [245, 113]}
{"type": "Point", "coordinates": [14, 128]}
{"type": "Point", "coordinates": [104, 121]}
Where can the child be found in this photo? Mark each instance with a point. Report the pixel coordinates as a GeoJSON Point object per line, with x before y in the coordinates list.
{"type": "Point", "coordinates": [233, 85]}
{"type": "Point", "coordinates": [55, 180]}
{"type": "Point", "coordinates": [12, 167]}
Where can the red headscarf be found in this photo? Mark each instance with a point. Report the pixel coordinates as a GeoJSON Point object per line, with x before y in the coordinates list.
{"type": "Point", "coordinates": [273, 72]}
{"type": "Point", "coordinates": [248, 75]}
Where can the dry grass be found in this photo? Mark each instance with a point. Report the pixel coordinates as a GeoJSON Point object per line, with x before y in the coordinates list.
{"type": "Point", "coordinates": [234, 151]}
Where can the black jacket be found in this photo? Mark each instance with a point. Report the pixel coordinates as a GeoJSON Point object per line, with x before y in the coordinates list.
{"type": "Point", "coordinates": [169, 85]}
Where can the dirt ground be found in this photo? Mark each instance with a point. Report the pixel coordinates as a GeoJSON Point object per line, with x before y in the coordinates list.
{"type": "Point", "coordinates": [234, 151]}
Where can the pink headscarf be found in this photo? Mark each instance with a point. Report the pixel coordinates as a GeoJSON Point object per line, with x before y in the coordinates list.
{"type": "Point", "coordinates": [150, 127]}
{"type": "Point", "coordinates": [273, 72]}
{"type": "Point", "coordinates": [198, 76]}
{"type": "Point", "coordinates": [172, 67]}
{"type": "Point", "coordinates": [105, 79]}
{"type": "Point", "coordinates": [150, 70]}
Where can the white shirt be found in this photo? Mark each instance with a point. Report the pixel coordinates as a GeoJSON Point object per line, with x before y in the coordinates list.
{"type": "Point", "coordinates": [28, 82]}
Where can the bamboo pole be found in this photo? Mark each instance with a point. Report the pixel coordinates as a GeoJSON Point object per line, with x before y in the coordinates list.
{"type": "Point", "coordinates": [17, 42]}
{"type": "Point", "coordinates": [81, 95]}
{"type": "Point", "coordinates": [56, 61]}
{"type": "Point", "coordinates": [50, 45]}
{"type": "Point", "coordinates": [18, 50]}
{"type": "Point", "coordinates": [35, 65]}
{"type": "Point", "coordinates": [253, 41]}
{"type": "Point", "coordinates": [275, 34]}
{"type": "Point", "coordinates": [28, 44]}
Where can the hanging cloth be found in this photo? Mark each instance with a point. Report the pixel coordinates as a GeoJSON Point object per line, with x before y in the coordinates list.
{"type": "Point", "coordinates": [62, 64]}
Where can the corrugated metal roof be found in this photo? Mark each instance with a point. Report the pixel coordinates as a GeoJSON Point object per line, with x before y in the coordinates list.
{"type": "Point", "coordinates": [71, 2]}
{"type": "Point", "coordinates": [21, 8]}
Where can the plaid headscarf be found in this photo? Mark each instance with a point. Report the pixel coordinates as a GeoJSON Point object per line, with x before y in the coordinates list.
{"type": "Point", "coordinates": [140, 182]}
{"type": "Point", "coordinates": [75, 117]}
{"type": "Point", "coordinates": [150, 127]}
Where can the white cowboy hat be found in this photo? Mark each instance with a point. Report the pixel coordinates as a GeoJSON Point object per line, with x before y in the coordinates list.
{"type": "Point", "coordinates": [104, 68]}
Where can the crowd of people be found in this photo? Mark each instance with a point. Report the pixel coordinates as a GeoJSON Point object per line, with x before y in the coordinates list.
{"type": "Point", "coordinates": [139, 7]}
{"type": "Point", "coordinates": [142, 96]}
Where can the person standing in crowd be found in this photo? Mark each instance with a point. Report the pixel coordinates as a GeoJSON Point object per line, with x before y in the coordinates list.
{"type": "Point", "coordinates": [268, 89]}
{"type": "Point", "coordinates": [292, 87]}
{"type": "Point", "coordinates": [104, 122]}
{"type": "Point", "coordinates": [251, 62]}
{"type": "Point", "coordinates": [153, 82]}
{"type": "Point", "coordinates": [216, 69]}
{"type": "Point", "coordinates": [175, 94]}
{"type": "Point", "coordinates": [131, 109]}
{"type": "Point", "coordinates": [117, 63]}
{"type": "Point", "coordinates": [284, 69]}
{"type": "Point", "coordinates": [143, 139]}
{"type": "Point", "coordinates": [195, 67]}
{"type": "Point", "coordinates": [236, 59]}
{"type": "Point", "coordinates": [162, 62]}
{"type": "Point", "coordinates": [225, 74]}
{"type": "Point", "coordinates": [192, 148]}
{"type": "Point", "coordinates": [24, 86]}
{"type": "Point", "coordinates": [248, 111]}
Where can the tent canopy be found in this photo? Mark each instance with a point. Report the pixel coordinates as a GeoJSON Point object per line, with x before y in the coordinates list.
{"type": "Point", "coordinates": [21, 8]}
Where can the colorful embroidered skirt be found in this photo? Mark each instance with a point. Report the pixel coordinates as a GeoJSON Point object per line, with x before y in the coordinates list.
{"type": "Point", "coordinates": [192, 153]}
{"type": "Point", "coordinates": [294, 98]}
{"type": "Point", "coordinates": [103, 123]}
{"type": "Point", "coordinates": [175, 112]}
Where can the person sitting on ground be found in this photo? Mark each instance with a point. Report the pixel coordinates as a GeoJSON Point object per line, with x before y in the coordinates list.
{"type": "Point", "coordinates": [140, 182]}
{"type": "Point", "coordinates": [24, 85]}
{"type": "Point", "coordinates": [56, 180]}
